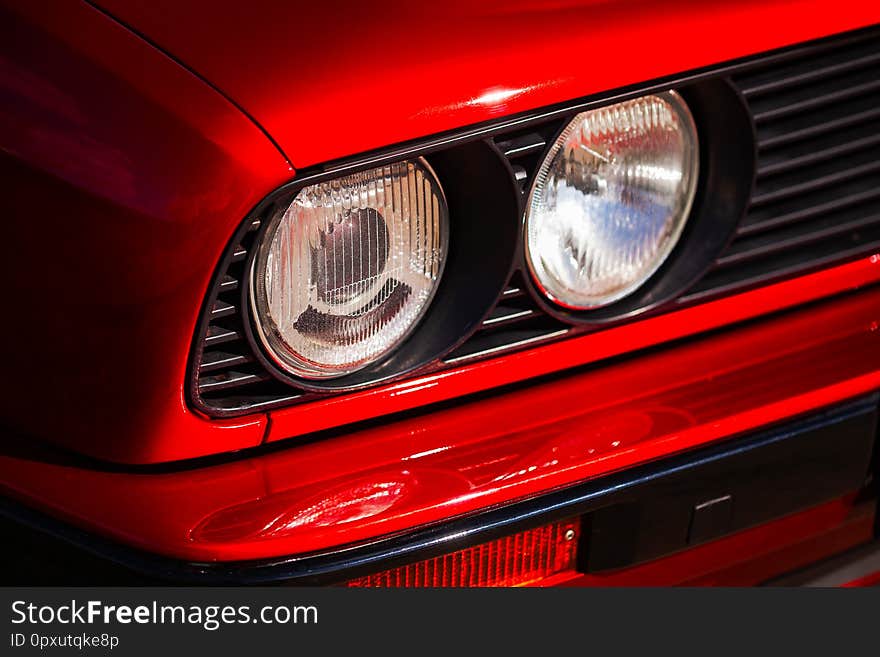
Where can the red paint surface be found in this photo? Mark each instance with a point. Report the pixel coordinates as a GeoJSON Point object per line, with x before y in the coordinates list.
{"type": "Point", "coordinates": [334, 78]}
{"type": "Point", "coordinates": [123, 178]}
{"type": "Point", "coordinates": [447, 463]}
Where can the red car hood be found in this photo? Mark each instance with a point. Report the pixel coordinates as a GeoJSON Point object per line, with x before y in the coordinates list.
{"type": "Point", "coordinates": [332, 78]}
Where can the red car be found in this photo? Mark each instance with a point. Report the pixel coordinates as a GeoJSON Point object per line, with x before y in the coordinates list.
{"type": "Point", "coordinates": [487, 293]}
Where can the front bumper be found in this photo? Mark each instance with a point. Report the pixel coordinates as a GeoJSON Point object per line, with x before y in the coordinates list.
{"type": "Point", "coordinates": [809, 476]}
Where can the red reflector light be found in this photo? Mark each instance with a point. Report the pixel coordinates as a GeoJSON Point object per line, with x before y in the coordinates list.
{"type": "Point", "coordinates": [521, 559]}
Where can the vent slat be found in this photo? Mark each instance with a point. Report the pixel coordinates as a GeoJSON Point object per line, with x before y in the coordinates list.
{"type": "Point", "coordinates": [218, 335]}
{"type": "Point", "coordinates": [807, 180]}
{"type": "Point", "coordinates": [527, 144]}
{"type": "Point", "coordinates": [807, 69]}
{"type": "Point", "coordinates": [771, 243]}
{"type": "Point", "coordinates": [813, 97]}
{"type": "Point", "coordinates": [222, 309]}
{"type": "Point", "coordinates": [218, 360]}
{"type": "Point", "coordinates": [239, 253]}
{"type": "Point", "coordinates": [228, 380]}
{"type": "Point", "coordinates": [793, 129]}
{"type": "Point", "coordinates": [832, 145]}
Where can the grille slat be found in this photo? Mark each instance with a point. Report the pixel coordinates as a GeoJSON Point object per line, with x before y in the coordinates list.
{"type": "Point", "coordinates": [842, 196]}
{"type": "Point", "coordinates": [830, 225]}
{"type": "Point", "coordinates": [228, 284]}
{"type": "Point", "coordinates": [229, 379]}
{"type": "Point", "coordinates": [793, 129]}
{"type": "Point", "coordinates": [217, 335]}
{"type": "Point", "coordinates": [222, 309]}
{"type": "Point", "coordinates": [817, 190]}
{"type": "Point", "coordinates": [786, 264]}
{"type": "Point", "coordinates": [817, 177]}
{"type": "Point", "coordinates": [527, 144]}
{"type": "Point", "coordinates": [505, 314]}
{"type": "Point", "coordinates": [486, 344]}
{"type": "Point", "coordinates": [218, 360]}
{"type": "Point", "coordinates": [814, 96]}
{"type": "Point", "coordinates": [239, 253]}
{"type": "Point", "coordinates": [838, 60]}
{"type": "Point", "coordinates": [831, 145]}
{"type": "Point", "coordinates": [515, 322]}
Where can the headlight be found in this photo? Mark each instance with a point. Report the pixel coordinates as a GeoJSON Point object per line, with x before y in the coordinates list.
{"type": "Point", "coordinates": [346, 272]}
{"type": "Point", "coordinates": [610, 200]}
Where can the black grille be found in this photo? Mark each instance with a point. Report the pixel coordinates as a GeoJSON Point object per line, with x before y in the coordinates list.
{"type": "Point", "coordinates": [816, 202]}
{"type": "Point", "coordinates": [817, 189]}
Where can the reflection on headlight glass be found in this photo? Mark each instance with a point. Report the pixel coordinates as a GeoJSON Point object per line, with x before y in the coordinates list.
{"type": "Point", "coordinates": [349, 268]}
{"type": "Point", "coordinates": [611, 199]}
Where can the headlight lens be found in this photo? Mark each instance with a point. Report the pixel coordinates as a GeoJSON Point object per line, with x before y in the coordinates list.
{"type": "Point", "coordinates": [610, 200]}
{"type": "Point", "coordinates": [346, 272]}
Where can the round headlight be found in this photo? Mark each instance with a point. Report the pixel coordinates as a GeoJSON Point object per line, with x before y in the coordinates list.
{"type": "Point", "coordinates": [346, 272]}
{"type": "Point", "coordinates": [610, 200]}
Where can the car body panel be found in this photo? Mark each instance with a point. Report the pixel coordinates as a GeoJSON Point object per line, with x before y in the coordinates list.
{"type": "Point", "coordinates": [124, 176]}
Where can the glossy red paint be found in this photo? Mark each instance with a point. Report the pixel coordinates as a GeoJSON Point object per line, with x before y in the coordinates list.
{"type": "Point", "coordinates": [330, 79]}
{"type": "Point", "coordinates": [415, 471]}
{"type": "Point", "coordinates": [123, 178]}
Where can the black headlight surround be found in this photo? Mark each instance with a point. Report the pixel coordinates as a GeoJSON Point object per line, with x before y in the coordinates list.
{"type": "Point", "coordinates": [726, 176]}
{"type": "Point", "coordinates": [481, 203]}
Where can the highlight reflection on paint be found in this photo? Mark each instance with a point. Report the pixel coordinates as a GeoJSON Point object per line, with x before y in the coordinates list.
{"type": "Point", "coordinates": [282, 513]}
